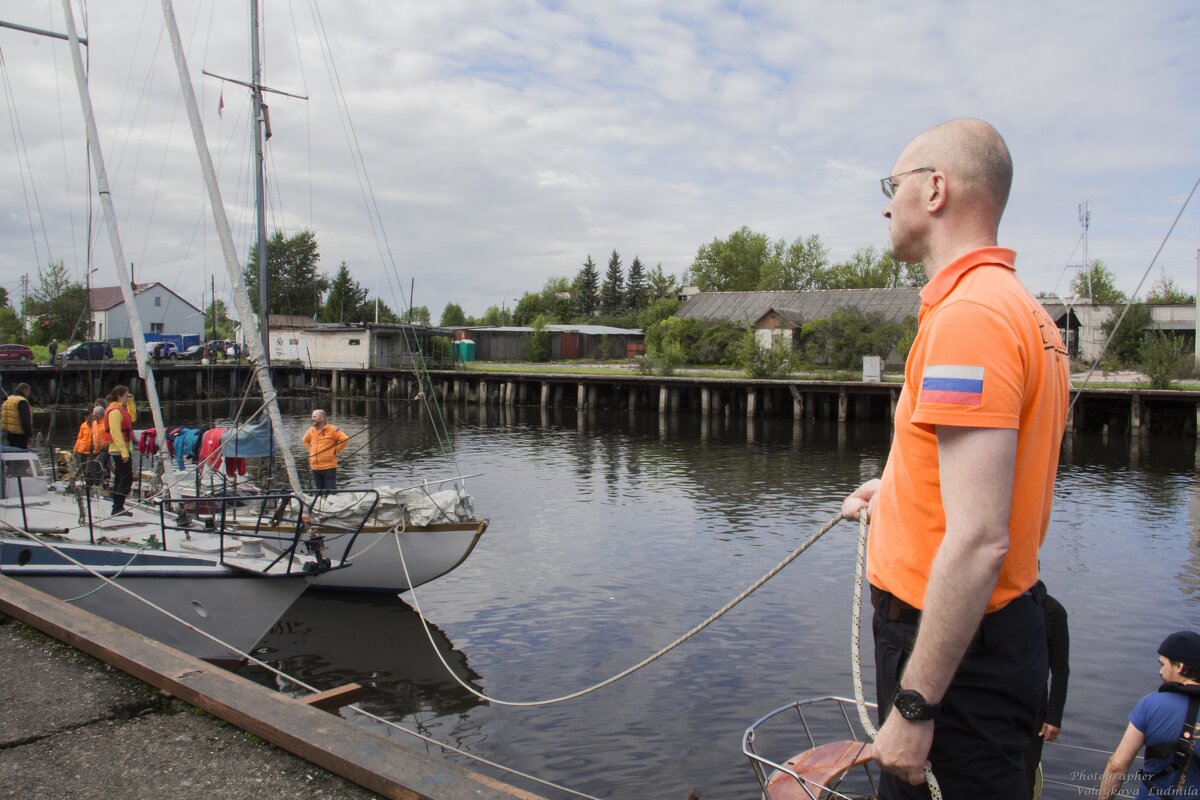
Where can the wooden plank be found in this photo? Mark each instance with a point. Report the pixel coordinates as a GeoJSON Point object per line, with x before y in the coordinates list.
{"type": "Point", "coordinates": [331, 700]}
{"type": "Point", "coordinates": [388, 767]}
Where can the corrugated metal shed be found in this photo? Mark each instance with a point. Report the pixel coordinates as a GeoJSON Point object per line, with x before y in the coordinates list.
{"type": "Point", "coordinates": [746, 308]}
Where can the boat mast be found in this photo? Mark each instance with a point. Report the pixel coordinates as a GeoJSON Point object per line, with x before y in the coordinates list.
{"type": "Point", "coordinates": [260, 206]}
{"type": "Point", "coordinates": [241, 298]}
{"type": "Point", "coordinates": [110, 218]}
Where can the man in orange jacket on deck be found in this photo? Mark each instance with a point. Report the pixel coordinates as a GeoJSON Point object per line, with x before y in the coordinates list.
{"type": "Point", "coordinates": [323, 442]}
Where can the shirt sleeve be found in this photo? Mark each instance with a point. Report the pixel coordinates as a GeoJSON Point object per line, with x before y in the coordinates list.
{"type": "Point", "coordinates": [119, 446]}
{"type": "Point", "coordinates": [972, 374]}
{"type": "Point", "coordinates": [1140, 716]}
{"type": "Point", "coordinates": [25, 412]}
{"type": "Point", "coordinates": [342, 440]}
{"type": "Point", "coordinates": [1059, 641]}
{"type": "Point", "coordinates": [307, 440]}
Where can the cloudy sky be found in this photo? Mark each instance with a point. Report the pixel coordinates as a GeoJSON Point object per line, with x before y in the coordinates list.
{"type": "Point", "coordinates": [506, 141]}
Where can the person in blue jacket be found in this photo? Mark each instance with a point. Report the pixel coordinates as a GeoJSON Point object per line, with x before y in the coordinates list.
{"type": "Point", "coordinates": [1165, 724]}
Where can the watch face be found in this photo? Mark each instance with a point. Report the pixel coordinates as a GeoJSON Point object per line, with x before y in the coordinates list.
{"type": "Point", "coordinates": [912, 705]}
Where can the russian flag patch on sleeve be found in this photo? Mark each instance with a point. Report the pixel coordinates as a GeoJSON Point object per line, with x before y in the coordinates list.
{"type": "Point", "coordinates": [952, 385]}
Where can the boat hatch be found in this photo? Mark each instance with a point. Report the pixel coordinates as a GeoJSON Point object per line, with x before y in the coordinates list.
{"type": "Point", "coordinates": [21, 476]}
{"type": "Point", "coordinates": [830, 753]}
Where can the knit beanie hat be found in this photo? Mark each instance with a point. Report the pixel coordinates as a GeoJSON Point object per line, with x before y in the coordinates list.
{"type": "Point", "coordinates": [1182, 647]}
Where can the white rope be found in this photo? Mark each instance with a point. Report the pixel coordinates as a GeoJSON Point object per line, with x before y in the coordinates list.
{"type": "Point", "coordinates": [935, 791]}
{"type": "Point", "coordinates": [278, 672]}
{"type": "Point", "coordinates": [624, 673]}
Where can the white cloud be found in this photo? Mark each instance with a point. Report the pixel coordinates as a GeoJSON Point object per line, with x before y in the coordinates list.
{"type": "Point", "coordinates": [506, 142]}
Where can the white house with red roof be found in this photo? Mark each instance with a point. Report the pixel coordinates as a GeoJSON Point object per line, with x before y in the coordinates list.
{"type": "Point", "coordinates": [160, 310]}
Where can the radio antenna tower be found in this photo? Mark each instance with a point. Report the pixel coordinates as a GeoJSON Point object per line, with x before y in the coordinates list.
{"type": "Point", "coordinates": [1085, 216]}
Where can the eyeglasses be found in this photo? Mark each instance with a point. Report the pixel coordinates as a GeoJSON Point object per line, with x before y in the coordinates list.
{"type": "Point", "coordinates": [889, 184]}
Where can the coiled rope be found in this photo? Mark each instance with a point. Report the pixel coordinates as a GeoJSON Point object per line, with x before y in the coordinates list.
{"type": "Point", "coordinates": [935, 791]}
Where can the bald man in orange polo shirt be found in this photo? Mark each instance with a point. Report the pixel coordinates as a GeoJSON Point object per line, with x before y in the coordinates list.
{"type": "Point", "coordinates": [963, 504]}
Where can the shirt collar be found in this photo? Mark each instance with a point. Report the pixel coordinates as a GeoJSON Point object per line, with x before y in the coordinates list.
{"type": "Point", "coordinates": [942, 283]}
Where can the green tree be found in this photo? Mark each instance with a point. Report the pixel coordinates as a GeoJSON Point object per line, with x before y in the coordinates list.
{"type": "Point", "coordinates": [867, 268]}
{"type": "Point", "coordinates": [3, 297]}
{"type": "Point", "coordinates": [657, 311]}
{"type": "Point", "coordinates": [1125, 341]}
{"type": "Point", "coordinates": [733, 264]}
{"type": "Point", "coordinates": [557, 299]}
{"type": "Point", "coordinates": [764, 362]}
{"type": "Point", "coordinates": [1165, 359]}
{"type": "Point", "coordinates": [416, 315]}
{"type": "Point", "coordinates": [659, 284]}
{"type": "Point", "coordinates": [845, 336]}
{"type": "Point", "coordinates": [346, 301]}
{"type": "Point", "coordinates": [1165, 290]}
{"type": "Point", "coordinates": [58, 307]}
{"type": "Point", "coordinates": [528, 308]}
{"type": "Point", "coordinates": [10, 325]}
{"type": "Point", "coordinates": [539, 340]}
{"type": "Point", "coordinates": [496, 317]}
{"type": "Point", "coordinates": [294, 284]}
{"type": "Point", "coordinates": [380, 311]}
{"type": "Point", "coordinates": [1097, 283]}
{"type": "Point", "coordinates": [797, 266]}
{"type": "Point", "coordinates": [697, 342]}
{"type": "Point", "coordinates": [453, 315]}
{"type": "Point", "coordinates": [587, 288]}
{"type": "Point", "coordinates": [217, 323]}
{"type": "Point", "coordinates": [635, 287]}
{"type": "Point", "coordinates": [612, 294]}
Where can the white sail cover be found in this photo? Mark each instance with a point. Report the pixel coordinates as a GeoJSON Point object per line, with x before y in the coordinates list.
{"type": "Point", "coordinates": [406, 507]}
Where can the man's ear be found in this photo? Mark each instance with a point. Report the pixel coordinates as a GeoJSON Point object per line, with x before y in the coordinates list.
{"type": "Point", "coordinates": [936, 196]}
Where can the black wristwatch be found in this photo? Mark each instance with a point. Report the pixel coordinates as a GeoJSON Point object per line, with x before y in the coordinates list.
{"type": "Point", "coordinates": [913, 706]}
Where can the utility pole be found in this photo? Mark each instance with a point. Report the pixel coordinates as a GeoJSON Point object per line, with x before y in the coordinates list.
{"type": "Point", "coordinates": [1197, 343]}
{"type": "Point", "coordinates": [24, 304]}
{"type": "Point", "coordinates": [1085, 217]}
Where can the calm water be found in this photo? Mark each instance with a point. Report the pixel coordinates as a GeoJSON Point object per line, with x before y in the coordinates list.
{"type": "Point", "coordinates": [611, 535]}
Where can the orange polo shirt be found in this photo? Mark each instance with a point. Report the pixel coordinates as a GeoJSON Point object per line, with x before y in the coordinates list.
{"type": "Point", "coordinates": [986, 355]}
{"type": "Point", "coordinates": [323, 446]}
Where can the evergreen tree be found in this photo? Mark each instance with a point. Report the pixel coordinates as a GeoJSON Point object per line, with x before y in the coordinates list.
{"type": "Point", "coordinates": [346, 301]}
{"type": "Point", "coordinates": [294, 284]}
{"type": "Point", "coordinates": [612, 295]}
{"type": "Point", "coordinates": [587, 288]}
{"type": "Point", "coordinates": [635, 288]}
{"type": "Point", "coordinates": [659, 284]}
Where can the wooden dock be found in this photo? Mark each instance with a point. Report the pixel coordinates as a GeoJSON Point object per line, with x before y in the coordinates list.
{"type": "Point", "coordinates": [1119, 411]}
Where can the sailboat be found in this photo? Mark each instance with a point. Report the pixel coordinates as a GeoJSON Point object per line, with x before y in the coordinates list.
{"type": "Point", "coordinates": [169, 574]}
{"type": "Point", "coordinates": [431, 530]}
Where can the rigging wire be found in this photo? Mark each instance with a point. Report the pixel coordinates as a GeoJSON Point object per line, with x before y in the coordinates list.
{"type": "Point", "coordinates": [23, 166]}
{"type": "Point", "coordinates": [436, 418]}
{"type": "Point", "coordinates": [1132, 296]}
{"type": "Point", "coordinates": [62, 140]}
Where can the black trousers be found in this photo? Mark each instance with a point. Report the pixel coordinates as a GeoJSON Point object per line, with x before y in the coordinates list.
{"type": "Point", "coordinates": [122, 480]}
{"type": "Point", "coordinates": [991, 710]}
{"type": "Point", "coordinates": [19, 440]}
{"type": "Point", "coordinates": [325, 480]}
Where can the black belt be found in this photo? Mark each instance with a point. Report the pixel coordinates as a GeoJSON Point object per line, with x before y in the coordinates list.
{"type": "Point", "coordinates": [893, 608]}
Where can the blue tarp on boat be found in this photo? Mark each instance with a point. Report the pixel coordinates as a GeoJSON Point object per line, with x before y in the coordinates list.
{"type": "Point", "coordinates": [250, 441]}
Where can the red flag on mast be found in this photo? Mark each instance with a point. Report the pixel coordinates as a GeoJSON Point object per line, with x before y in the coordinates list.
{"type": "Point", "coordinates": [221, 104]}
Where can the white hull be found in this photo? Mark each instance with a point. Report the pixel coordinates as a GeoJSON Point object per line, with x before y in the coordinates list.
{"type": "Point", "coordinates": [206, 581]}
{"type": "Point", "coordinates": [429, 553]}
{"type": "Point", "coordinates": [233, 608]}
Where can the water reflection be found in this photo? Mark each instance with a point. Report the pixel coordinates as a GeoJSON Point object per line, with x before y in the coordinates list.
{"type": "Point", "coordinates": [329, 639]}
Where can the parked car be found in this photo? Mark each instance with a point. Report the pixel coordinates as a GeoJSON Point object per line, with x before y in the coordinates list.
{"type": "Point", "coordinates": [161, 350]}
{"type": "Point", "coordinates": [16, 352]}
{"type": "Point", "coordinates": [193, 353]}
{"type": "Point", "coordinates": [224, 347]}
{"type": "Point", "coordinates": [88, 351]}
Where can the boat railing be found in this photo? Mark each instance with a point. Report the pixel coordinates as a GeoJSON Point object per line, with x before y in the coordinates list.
{"type": "Point", "coordinates": [823, 714]}
{"type": "Point", "coordinates": [282, 518]}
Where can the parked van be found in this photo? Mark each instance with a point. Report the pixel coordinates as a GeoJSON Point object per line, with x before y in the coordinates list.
{"type": "Point", "coordinates": [88, 351]}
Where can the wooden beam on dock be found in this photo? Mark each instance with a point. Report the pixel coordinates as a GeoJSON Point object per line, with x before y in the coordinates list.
{"type": "Point", "coordinates": [388, 767]}
{"type": "Point", "coordinates": [332, 700]}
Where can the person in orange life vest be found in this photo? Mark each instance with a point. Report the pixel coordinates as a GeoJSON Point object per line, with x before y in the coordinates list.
{"type": "Point", "coordinates": [964, 501]}
{"type": "Point", "coordinates": [323, 442]}
{"type": "Point", "coordinates": [118, 433]}
{"type": "Point", "coordinates": [87, 443]}
{"type": "Point", "coordinates": [16, 417]}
